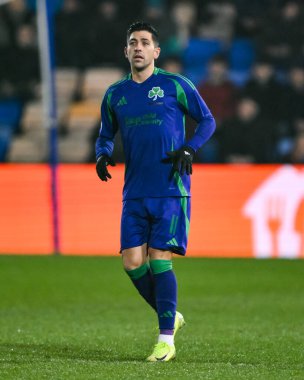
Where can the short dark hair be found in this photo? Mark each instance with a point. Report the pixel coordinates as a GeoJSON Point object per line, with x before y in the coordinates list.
{"type": "Point", "coordinates": [141, 25]}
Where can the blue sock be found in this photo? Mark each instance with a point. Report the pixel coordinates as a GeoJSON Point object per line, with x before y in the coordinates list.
{"type": "Point", "coordinates": [166, 294]}
{"type": "Point", "coordinates": [143, 280]}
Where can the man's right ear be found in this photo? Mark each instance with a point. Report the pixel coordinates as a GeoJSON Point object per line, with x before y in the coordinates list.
{"type": "Point", "coordinates": [126, 52]}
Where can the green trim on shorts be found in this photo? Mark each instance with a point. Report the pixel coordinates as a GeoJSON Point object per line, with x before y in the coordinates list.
{"type": "Point", "coordinates": [139, 272]}
{"type": "Point", "coordinates": [173, 224]}
{"type": "Point", "coordinates": [184, 204]}
{"type": "Point", "coordinates": [160, 266]}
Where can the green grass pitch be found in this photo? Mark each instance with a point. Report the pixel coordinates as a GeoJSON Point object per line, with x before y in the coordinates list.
{"type": "Point", "coordinates": [81, 318]}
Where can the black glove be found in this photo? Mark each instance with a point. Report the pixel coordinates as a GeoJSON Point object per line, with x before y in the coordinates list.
{"type": "Point", "coordinates": [182, 159]}
{"type": "Point", "coordinates": [101, 167]}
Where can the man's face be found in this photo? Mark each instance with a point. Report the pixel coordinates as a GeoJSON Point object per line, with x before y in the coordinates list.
{"type": "Point", "coordinates": [141, 50]}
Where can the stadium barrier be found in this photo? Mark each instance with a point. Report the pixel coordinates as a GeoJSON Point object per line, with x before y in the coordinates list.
{"type": "Point", "coordinates": [237, 210]}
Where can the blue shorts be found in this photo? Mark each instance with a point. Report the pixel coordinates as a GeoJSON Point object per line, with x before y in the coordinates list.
{"type": "Point", "coordinates": [162, 223]}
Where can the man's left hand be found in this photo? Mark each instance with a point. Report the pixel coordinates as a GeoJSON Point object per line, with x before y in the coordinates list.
{"type": "Point", "coordinates": [101, 167]}
{"type": "Point", "coordinates": [182, 159]}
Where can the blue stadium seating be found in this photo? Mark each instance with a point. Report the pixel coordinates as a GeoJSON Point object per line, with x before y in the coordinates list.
{"type": "Point", "coordinates": [197, 55]}
{"type": "Point", "coordinates": [195, 74]}
{"type": "Point", "coordinates": [241, 54]}
{"type": "Point", "coordinates": [241, 57]}
{"type": "Point", "coordinates": [5, 138]}
{"type": "Point", "coordinates": [10, 113]}
{"type": "Point", "coordinates": [199, 51]}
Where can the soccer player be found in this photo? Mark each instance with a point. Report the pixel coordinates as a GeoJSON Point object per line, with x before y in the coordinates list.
{"type": "Point", "coordinates": [148, 106]}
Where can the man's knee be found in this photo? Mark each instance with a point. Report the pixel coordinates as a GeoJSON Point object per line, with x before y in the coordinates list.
{"type": "Point", "coordinates": [130, 262]}
{"type": "Point", "coordinates": [133, 258]}
{"type": "Point", "coordinates": [157, 254]}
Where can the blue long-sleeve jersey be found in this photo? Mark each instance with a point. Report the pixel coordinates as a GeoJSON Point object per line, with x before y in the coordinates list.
{"type": "Point", "coordinates": [151, 119]}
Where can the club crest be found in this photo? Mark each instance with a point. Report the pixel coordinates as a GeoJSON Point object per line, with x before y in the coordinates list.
{"type": "Point", "coordinates": [156, 92]}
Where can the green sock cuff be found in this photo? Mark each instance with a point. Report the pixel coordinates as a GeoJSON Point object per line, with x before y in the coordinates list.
{"type": "Point", "coordinates": [160, 266]}
{"type": "Point", "coordinates": [137, 273]}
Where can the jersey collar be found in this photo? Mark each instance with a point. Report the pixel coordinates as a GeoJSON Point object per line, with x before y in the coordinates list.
{"type": "Point", "coordinates": [155, 72]}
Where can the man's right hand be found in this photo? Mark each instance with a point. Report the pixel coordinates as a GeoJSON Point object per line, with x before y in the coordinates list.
{"type": "Point", "coordinates": [101, 167]}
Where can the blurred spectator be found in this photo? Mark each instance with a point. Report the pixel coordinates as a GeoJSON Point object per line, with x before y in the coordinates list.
{"type": "Point", "coordinates": [15, 14]}
{"type": "Point", "coordinates": [217, 90]}
{"type": "Point", "coordinates": [217, 20]}
{"type": "Point", "coordinates": [107, 35]}
{"type": "Point", "coordinates": [296, 155]}
{"type": "Point", "coordinates": [265, 90]}
{"type": "Point", "coordinates": [5, 38]}
{"type": "Point", "coordinates": [281, 39]}
{"type": "Point", "coordinates": [21, 66]}
{"type": "Point", "coordinates": [294, 94]}
{"type": "Point", "coordinates": [131, 10]}
{"type": "Point", "coordinates": [251, 16]}
{"type": "Point", "coordinates": [220, 95]}
{"type": "Point", "coordinates": [247, 138]}
{"type": "Point", "coordinates": [184, 17]}
{"type": "Point", "coordinates": [172, 64]}
{"type": "Point", "coordinates": [6, 85]}
{"type": "Point", "coordinates": [287, 142]}
{"type": "Point", "coordinates": [156, 15]}
{"type": "Point", "coordinates": [291, 117]}
{"type": "Point", "coordinates": [71, 26]}
{"type": "Point", "coordinates": [12, 15]}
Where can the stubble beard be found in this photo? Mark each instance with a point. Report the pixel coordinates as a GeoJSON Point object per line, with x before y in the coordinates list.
{"type": "Point", "coordinates": [139, 68]}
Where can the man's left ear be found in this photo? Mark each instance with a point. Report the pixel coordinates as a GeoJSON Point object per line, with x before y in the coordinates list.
{"type": "Point", "coordinates": [156, 52]}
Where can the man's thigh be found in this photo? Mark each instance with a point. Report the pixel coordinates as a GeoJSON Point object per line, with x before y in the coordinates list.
{"type": "Point", "coordinates": [134, 230]}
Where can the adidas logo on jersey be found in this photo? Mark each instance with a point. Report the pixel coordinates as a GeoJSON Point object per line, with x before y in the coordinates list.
{"type": "Point", "coordinates": [122, 101]}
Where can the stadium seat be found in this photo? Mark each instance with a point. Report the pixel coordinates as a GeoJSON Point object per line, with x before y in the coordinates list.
{"type": "Point", "coordinates": [32, 147]}
{"type": "Point", "coordinates": [197, 54]}
{"type": "Point", "coordinates": [67, 81]}
{"type": "Point", "coordinates": [241, 58]}
{"type": "Point", "coordinates": [5, 139]}
{"type": "Point", "coordinates": [83, 115]}
{"type": "Point", "coordinates": [97, 80]}
{"type": "Point", "coordinates": [239, 78]}
{"type": "Point", "coordinates": [196, 74]}
{"type": "Point", "coordinates": [10, 113]}
{"type": "Point", "coordinates": [241, 55]}
{"type": "Point", "coordinates": [74, 148]}
{"type": "Point", "coordinates": [81, 119]}
{"type": "Point", "coordinates": [33, 116]}
{"type": "Point", "coordinates": [200, 50]}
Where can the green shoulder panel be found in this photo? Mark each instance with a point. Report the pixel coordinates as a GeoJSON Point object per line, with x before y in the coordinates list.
{"type": "Point", "coordinates": [109, 94]}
